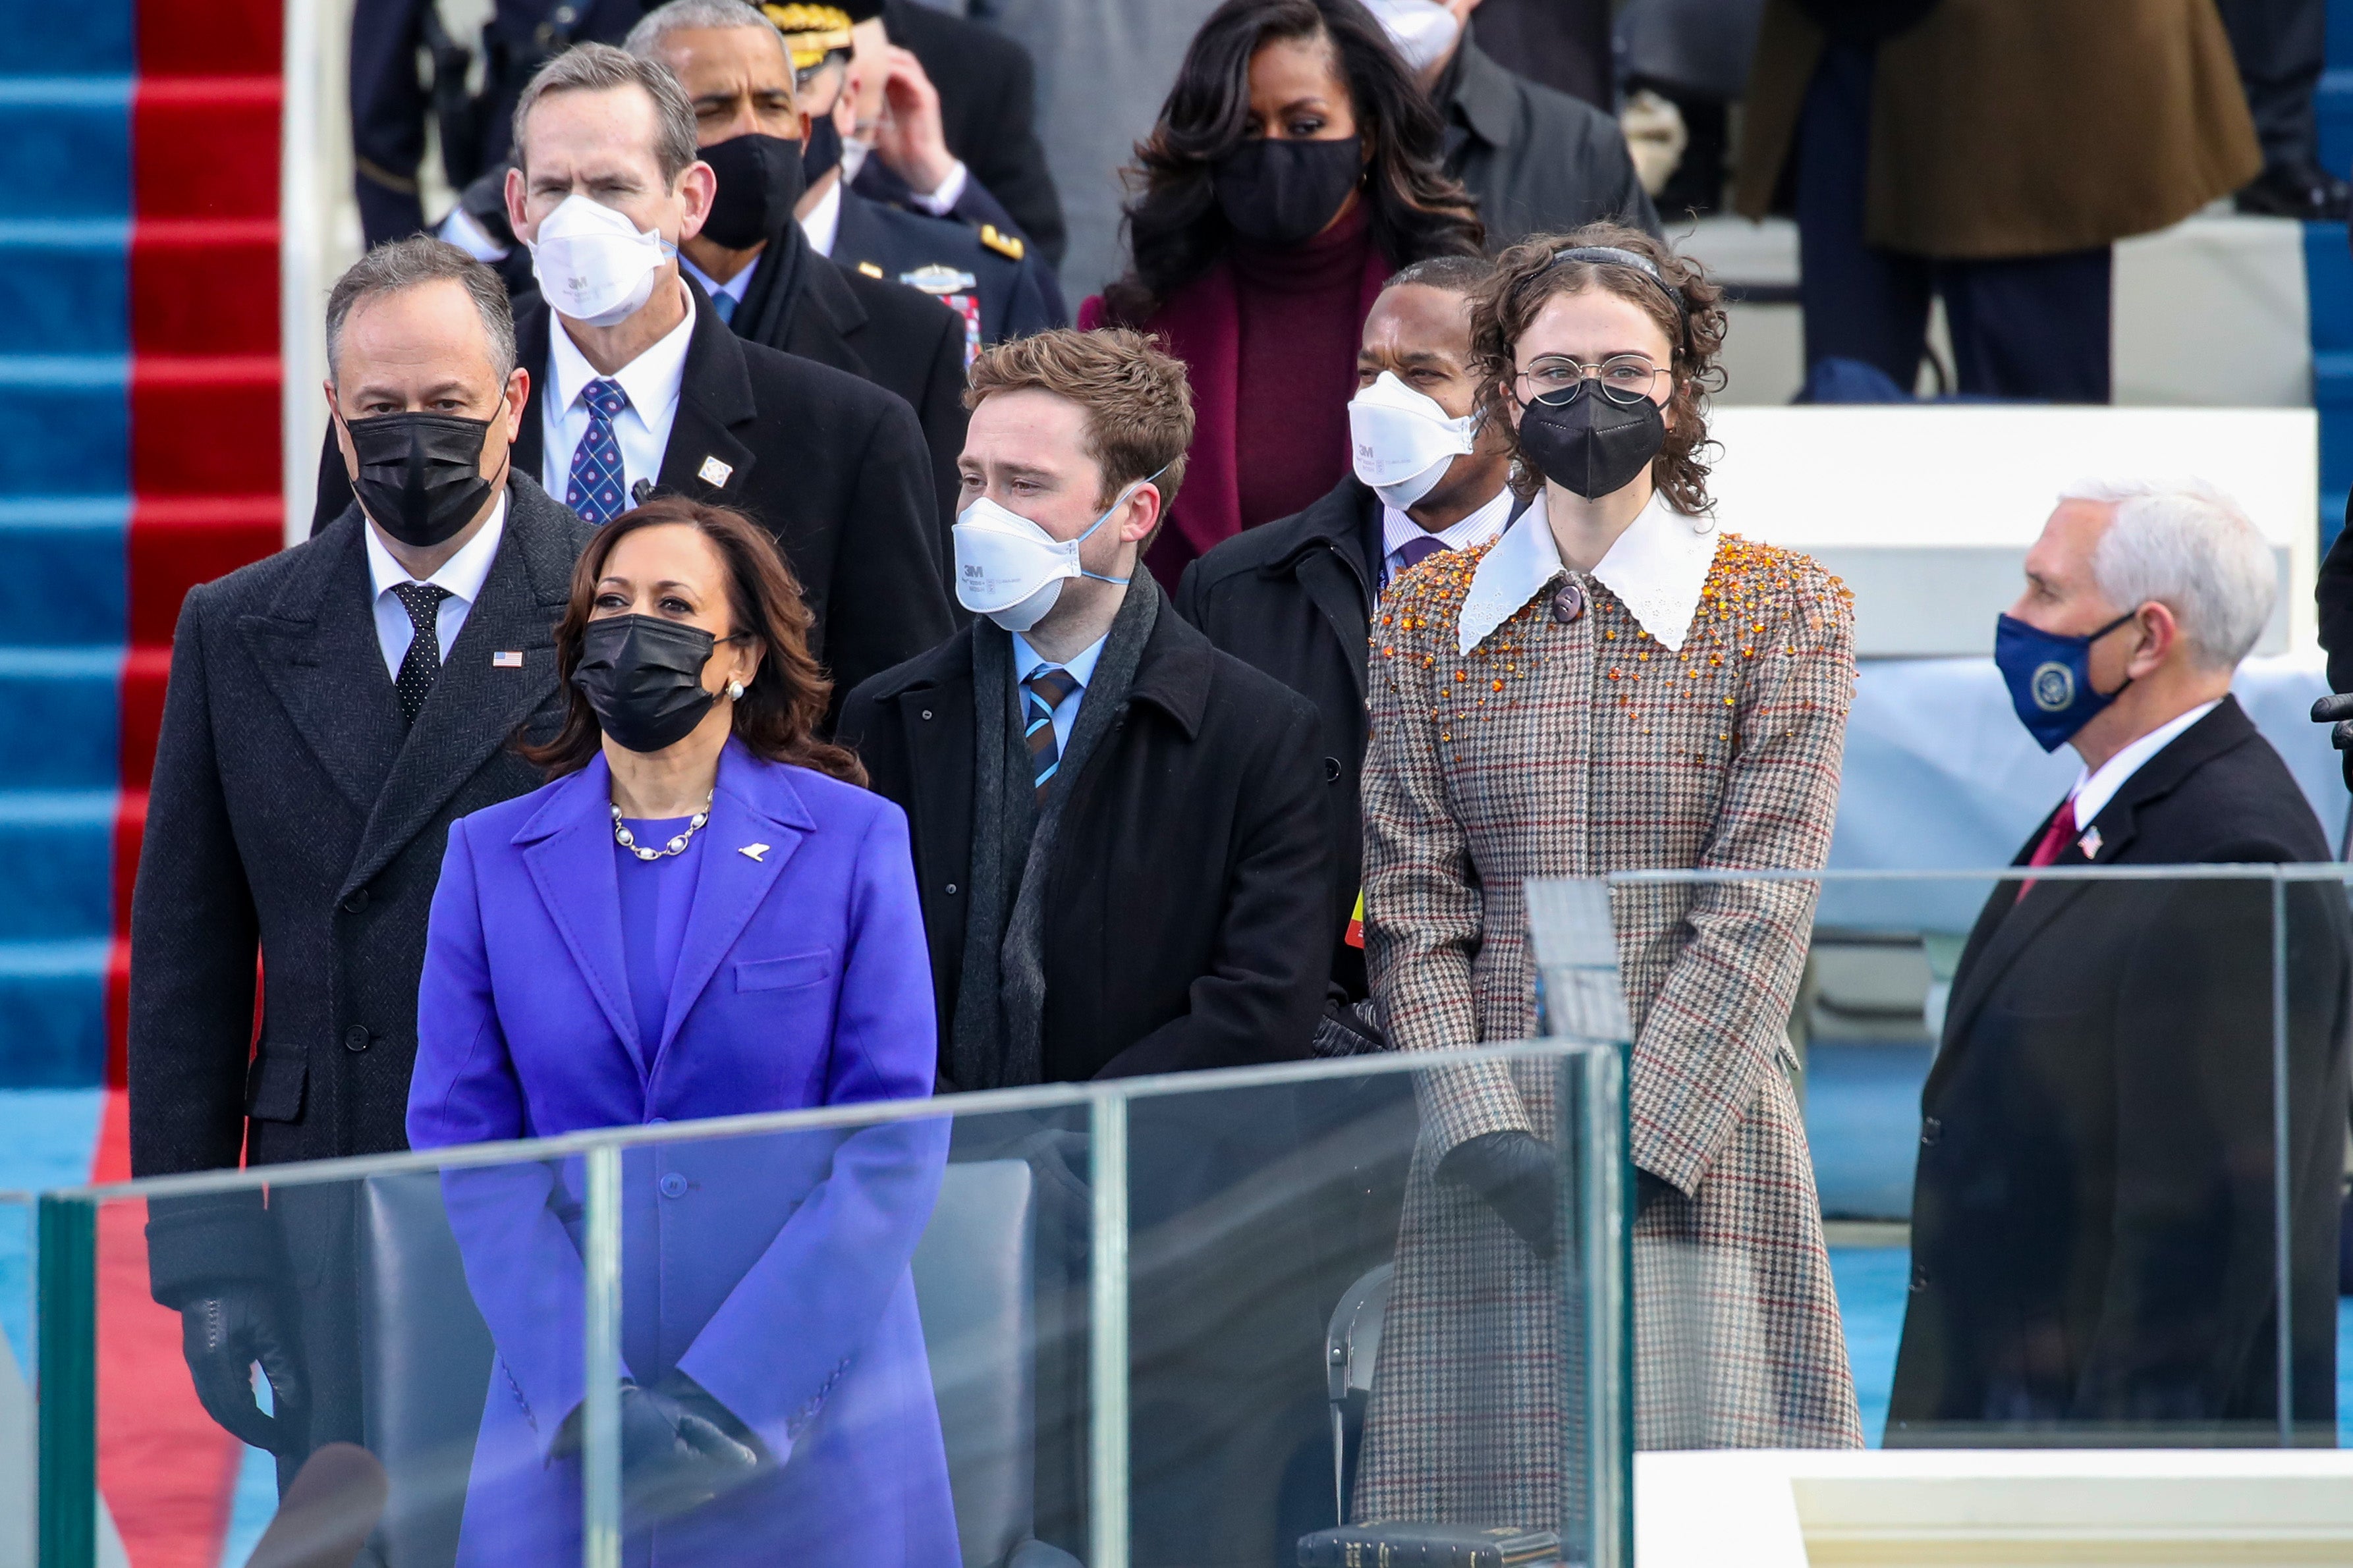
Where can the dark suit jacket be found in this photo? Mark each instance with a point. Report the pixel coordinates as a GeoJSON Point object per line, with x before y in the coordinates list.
{"type": "Point", "coordinates": [899, 338]}
{"type": "Point", "coordinates": [292, 818]}
{"type": "Point", "coordinates": [1294, 598]}
{"type": "Point", "coordinates": [833, 467]}
{"type": "Point", "coordinates": [1017, 295]}
{"type": "Point", "coordinates": [988, 92]}
{"type": "Point", "coordinates": [1186, 918]}
{"type": "Point", "coordinates": [2091, 1221]}
{"type": "Point", "coordinates": [1537, 161]}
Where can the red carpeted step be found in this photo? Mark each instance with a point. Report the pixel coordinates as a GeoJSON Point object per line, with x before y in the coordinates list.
{"type": "Point", "coordinates": [178, 541]}
{"type": "Point", "coordinates": [204, 285]}
{"type": "Point", "coordinates": [145, 671]}
{"type": "Point", "coordinates": [129, 831]}
{"type": "Point", "coordinates": [219, 37]}
{"type": "Point", "coordinates": [205, 427]}
{"type": "Point", "coordinates": [205, 147]}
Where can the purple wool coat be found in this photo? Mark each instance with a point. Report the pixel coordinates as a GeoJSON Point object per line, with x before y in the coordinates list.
{"type": "Point", "coordinates": [772, 1270]}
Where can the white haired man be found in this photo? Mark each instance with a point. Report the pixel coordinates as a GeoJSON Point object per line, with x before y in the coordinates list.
{"type": "Point", "coordinates": [2093, 1221]}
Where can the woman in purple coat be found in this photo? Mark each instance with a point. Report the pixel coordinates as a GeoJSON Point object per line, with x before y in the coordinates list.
{"type": "Point", "coordinates": [703, 915]}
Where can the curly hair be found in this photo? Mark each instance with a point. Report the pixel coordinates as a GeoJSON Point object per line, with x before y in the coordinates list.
{"type": "Point", "coordinates": [1175, 231]}
{"type": "Point", "coordinates": [1527, 278]}
{"type": "Point", "coordinates": [781, 711]}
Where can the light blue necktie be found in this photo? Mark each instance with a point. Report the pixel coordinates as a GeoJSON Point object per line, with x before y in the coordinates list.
{"type": "Point", "coordinates": [725, 303]}
{"type": "Point", "coordinates": [599, 490]}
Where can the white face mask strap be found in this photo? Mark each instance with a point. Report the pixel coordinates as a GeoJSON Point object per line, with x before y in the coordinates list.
{"type": "Point", "coordinates": [1124, 497]}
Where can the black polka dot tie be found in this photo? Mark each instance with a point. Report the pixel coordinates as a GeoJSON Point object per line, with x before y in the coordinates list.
{"type": "Point", "coordinates": [421, 665]}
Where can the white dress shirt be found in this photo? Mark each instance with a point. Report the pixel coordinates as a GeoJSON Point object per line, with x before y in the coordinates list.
{"type": "Point", "coordinates": [1656, 568]}
{"type": "Point", "coordinates": [1397, 530]}
{"type": "Point", "coordinates": [2093, 790]}
{"type": "Point", "coordinates": [823, 225]}
{"type": "Point", "coordinates": [461, 575]}
{"type": "Point", "coordinates": [1028, 661]}
{"type": "Point", "coordinates": [735, 288]}
{"type": "Point", "coordinates": [652, 381]}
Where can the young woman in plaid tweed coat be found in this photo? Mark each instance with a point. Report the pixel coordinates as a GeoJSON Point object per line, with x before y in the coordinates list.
{"type": "Point", "coordinates": [1611, 685]}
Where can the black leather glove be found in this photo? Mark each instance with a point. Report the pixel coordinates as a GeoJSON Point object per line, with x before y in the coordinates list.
{"type": "Point", "coordinates": [1518, 1174]}
{"type": "Point", "coordinates": [223, 1334]}
{"type": "Point", "coordinates": [2336, 711]}
{"type": "Point", "coordinates": [680, 1449]}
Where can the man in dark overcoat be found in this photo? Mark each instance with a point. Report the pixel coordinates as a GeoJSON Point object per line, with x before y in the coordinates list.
{"type": "Point", "coordinates": [2095, 1239]}
{"type": "Point", "coordinates": [332, 709]}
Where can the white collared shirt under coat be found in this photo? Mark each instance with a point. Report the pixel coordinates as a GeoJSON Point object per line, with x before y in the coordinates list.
{"type": "Point", "coordinates": [461, 575]}
{"type": "Point", "coordinates": [642, 430]}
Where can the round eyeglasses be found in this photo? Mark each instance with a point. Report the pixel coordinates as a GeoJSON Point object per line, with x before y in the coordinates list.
{"type": "Point", "coordinates": [1556, 379]}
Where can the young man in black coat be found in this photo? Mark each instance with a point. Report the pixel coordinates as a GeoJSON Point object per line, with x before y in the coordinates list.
{"type": "Point", "coordinates": [332, 709]}
{"type": "Point", "coordinates": [832, 466]}
{"type": "Point", "coordinates": [2093, 1232]}
{"type": "Point", "coordinates": [1295, 597]}
{"type": "Point", "coordinates": [751, 258]}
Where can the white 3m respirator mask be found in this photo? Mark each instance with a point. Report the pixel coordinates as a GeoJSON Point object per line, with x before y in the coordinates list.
{"type": "Point", "coordinates": [594, 265]}
{"type": "Point", "coordinates": [1402, 441]}
{"type": "Point", "coordinates": [1011, 570]}
{"type": "Point", "coordinates": [1423, 30]}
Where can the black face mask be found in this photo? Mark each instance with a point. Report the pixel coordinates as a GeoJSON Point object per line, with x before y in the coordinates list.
{"type": "Point", "coordinates": [1589, 445]}
{"type": "Point", "coordinates": [1280, 193]}
{"type": "Point", "coordinates": [821, 151]}
{"type": "Point", "coordinates": [643, 679]}
{"type": "Point", "coordinates": [420, 476]}
{"type": "Point", "coordinates": [759, 181]}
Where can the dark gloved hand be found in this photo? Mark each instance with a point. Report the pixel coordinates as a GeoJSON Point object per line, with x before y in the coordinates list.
{"type": "Point", "coordinates": [678, 1452]}
{"type": "Point", "coordinates": [1518, 1174]}
{"type": "Point", "coordinates": [2336, 711]}
{"type": "Point", "coordinates": [223, 1335]}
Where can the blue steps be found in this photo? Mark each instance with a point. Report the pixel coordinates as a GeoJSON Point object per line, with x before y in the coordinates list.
{"type": "Point", "coordinates": [65, 147]}
{"type": "Point", "coordinates": [65, 286]}
{"type": "Point", "coordinates": [2328, 283]}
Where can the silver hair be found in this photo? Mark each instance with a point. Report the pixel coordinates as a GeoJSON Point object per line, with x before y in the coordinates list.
{"type": "Point", "coordinates": [403, 264]}
{"type": "Point", "coordinates": [2188, 546]}
{"type": "Point", "coordinates": [645, 39]}
{"type": "Point", "coordinates": [601, 67]}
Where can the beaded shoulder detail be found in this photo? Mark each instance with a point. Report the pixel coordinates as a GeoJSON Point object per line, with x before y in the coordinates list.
{"type": "Point", "coordinates": [1427, 599]}
{"type": "Point", "coordinates": [1749, 581]}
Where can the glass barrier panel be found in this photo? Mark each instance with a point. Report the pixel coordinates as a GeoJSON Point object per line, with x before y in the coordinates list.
{"type": "Point", "coordinates": [2032, 1160]}
{"type": "Point", "coordinates": [19, 1442]}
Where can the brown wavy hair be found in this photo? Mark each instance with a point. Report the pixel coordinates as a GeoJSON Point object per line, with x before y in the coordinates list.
{"type": "Point", "coordinates": [1526, 277]}
{"type": "Point", "coordinates": [782, 710]}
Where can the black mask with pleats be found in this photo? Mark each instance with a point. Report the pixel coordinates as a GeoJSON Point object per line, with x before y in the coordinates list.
{"type": "Point", "coordinates": [1589, 445]}
{"type": "Point", "coordinates": [760, 179]}
{"type": "Point", "coordinates": [1280, 193]}
{"type": "Point", "coordinates": [420, 476]}
{"type": "Point", "coordinates": [643, 679]}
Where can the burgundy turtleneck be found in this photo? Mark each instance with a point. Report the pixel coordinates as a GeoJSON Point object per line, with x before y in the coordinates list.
{"type": "Point", "coordinates": [1302, 311]}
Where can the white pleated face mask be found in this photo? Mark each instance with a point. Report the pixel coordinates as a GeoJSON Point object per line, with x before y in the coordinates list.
{"type": "Point", "coordinates": [1402, 441]}
{"type": "Point", "coordinates": [594, 265]}
{"type": "Point", "coordinates": [1011, 570]}
{"type": "Point", "coordinates": [1423, 30]}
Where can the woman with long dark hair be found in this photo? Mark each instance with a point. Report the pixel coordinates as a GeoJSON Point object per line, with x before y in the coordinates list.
{"type": "Point", "coordinates": [703, 913]}
{"type": "Point", "coordinates": [1295, 165]}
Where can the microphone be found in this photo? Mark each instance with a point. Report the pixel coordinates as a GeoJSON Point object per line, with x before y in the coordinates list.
{"type": "Point", "coordinates": [641, 493]}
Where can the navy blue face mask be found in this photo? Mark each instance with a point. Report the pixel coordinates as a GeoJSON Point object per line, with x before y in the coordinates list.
{"type": "Point", "coordinates": [2050, 678]}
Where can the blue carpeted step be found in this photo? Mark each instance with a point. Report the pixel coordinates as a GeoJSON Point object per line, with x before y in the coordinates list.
{"type": "Point", "coordinates": [64, 718]}
{"type": "Point", "coordinates": [53, 1012]}
{"type": "Point", "coordinates": [2333, 106]}
{"type": "Point", "coordinates": [69, 583]}
{"type": "Point", "coordinates": [65, 146]}
{"type": "Point", "coordinates": [88, 37]}
{"type": "Point", "coordinates": [56, 864]}
{"type": "Point", "coordinates": [64, 424]}
{"type": "Point", "coordinates": [65, 286]}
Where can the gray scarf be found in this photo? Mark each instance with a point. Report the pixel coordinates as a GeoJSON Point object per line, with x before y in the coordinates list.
{"type": "Point", "coordinates": [996, 1040]}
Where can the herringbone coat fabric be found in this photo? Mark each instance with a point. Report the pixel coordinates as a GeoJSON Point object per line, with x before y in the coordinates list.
{"type": "Point", "coordinates": [1576, 748]}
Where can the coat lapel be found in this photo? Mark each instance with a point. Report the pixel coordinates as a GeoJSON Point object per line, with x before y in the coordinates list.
{"type": "Point", "coordinates": [750, 805]}
{"type": "Point", "coordinates": [317, 650]}
{"type": "Point", "coordinates": [568, 846]}
{"type": "Point", "coordinates": [474, 707]}
{"type": "Point", "coordinates": [706, 458]}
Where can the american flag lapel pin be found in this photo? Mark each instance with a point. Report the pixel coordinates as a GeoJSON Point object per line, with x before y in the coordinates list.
{"type": "Point", "coordinates": [503, 660]}
{"type": "Point", "coordinates": [2090, 845]}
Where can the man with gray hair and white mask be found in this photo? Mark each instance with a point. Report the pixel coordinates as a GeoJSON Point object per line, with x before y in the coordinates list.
{"type": "Point", "coordinates": [2093, 1220]}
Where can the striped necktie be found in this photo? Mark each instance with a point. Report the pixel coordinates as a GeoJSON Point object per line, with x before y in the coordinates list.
{"type": "Point", "coordinates": [1041, 694]}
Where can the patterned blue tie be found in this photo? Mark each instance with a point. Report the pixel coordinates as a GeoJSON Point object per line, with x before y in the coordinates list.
{"type": "Point", "coordinates": [598, 491]}
{"type": "Point", "coordinates": [1044, 691]}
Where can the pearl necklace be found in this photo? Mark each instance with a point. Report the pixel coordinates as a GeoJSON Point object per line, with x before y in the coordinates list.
{"type": "Point", "coordinates": [622, 837]}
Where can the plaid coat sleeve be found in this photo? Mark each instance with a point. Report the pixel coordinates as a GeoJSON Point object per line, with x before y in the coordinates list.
{"type": "Point", "coordinates": [1715, 1028]}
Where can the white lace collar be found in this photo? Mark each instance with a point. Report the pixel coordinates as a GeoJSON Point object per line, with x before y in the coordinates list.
{"type": "Point", "coordinates": [1656, 568]}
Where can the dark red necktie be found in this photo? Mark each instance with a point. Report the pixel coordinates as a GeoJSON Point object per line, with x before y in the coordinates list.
{"type": "Point", "coordinates": [2054, 841]}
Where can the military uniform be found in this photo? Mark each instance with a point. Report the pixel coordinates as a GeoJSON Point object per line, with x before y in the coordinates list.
{"type": "Point", "coordinates": [988, 277]}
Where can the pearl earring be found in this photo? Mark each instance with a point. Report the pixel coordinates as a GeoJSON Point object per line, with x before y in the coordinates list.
{"type": "Point", "coordinates": [735, 691]}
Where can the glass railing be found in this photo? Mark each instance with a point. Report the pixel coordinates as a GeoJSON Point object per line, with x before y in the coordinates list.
{"type": "Point", "coordinates": [1130, 1325]}
{"type": "Point", "coordinates": [2079, 1153]}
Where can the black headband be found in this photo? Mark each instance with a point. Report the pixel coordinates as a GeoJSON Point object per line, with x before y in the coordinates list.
{"type": "Point", "coordinates": [1611, 255]}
